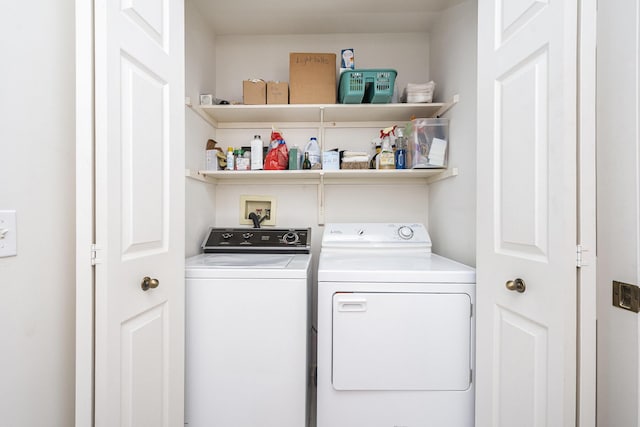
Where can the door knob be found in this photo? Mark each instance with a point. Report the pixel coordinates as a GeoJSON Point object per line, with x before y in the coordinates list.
{"type": "Point", "coordinates": [148, 282]}
{"type": "Point", "coordinates": [516, 285]}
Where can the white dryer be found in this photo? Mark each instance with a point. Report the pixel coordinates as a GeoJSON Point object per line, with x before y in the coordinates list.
{"type": "Point", "coordinates": [395, 330]}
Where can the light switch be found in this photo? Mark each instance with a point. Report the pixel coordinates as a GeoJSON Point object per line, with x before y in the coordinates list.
{"type": "Point", "coordinates": [8, 238]}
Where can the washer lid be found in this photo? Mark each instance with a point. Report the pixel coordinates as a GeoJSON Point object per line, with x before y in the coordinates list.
{"type": "Point", "coordinates": [242, 261]}
{"type": "Point", "coordinates": [373, 236]}
{"type": "Point", "coordinates": [220, 265]}
{"type": "Point", "coordinates": [391, 266]}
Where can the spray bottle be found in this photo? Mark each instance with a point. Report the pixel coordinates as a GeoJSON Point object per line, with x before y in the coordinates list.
{"type": "Point", "coordinates": [386, 159]}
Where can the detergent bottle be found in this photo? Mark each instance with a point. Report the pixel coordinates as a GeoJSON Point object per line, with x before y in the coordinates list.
{"type": "Point", "coordinates": [314, 152]}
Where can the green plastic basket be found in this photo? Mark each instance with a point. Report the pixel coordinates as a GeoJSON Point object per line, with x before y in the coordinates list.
{"type": "Point", "coordinates": [367, 86]}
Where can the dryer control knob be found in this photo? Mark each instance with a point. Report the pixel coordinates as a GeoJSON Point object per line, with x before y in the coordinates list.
{"type": "Point", "coordinates": [405, 232]}
{"type": "Point", "coordinates": [291, 238]}
{"type": "Point", "coordinates": [227, 236]}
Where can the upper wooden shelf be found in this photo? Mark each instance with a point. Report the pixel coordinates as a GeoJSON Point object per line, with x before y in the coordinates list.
{"type": "Point", "coordinates": [321, 113]}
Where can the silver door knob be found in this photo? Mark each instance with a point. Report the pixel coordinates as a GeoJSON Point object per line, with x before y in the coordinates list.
{"type": "Point", "coordinates": [148, 282]}
{"type": "Point", "coordinates": [517, 285]}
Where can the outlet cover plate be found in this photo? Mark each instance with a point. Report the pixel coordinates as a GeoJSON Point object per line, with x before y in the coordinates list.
{"type": "Point", "coordinates": [626, 296]}
{"type": "Point", "coordinates": [262, 205]}
{"type": "Point", "coordinates": [8, 234]}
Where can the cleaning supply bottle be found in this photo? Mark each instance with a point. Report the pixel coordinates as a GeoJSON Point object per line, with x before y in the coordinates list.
{"type": "Point", "coordinates": [386, 159]}
{"type": "Point", "coordinates": [306, 164]}
{"type": "Point", "coordinates": [401, 150]}
{"type": "Point", "coordinates": [256, 153]}
{"type": "Point", "coordinates": [314, 151]}
{"type": "Point", "coordinates": [230, 159]}
{"type": "Point", "coordinates": [374, 158]}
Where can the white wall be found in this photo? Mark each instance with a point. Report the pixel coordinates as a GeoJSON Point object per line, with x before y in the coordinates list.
{"type": "Point", "coordinates": [200, 76]}
{"type": "Point", "coordinates": [267, 57]}
{"type": "Point", "coordinates": [452, 202]}
{"type": "Point", "coordinates": [618, 213]}
{"type": "Point", "coordinates": [37, 143]}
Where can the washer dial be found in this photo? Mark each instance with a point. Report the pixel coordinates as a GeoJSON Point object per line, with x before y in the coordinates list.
{"type": "Point", "coordinates": [291, 238]}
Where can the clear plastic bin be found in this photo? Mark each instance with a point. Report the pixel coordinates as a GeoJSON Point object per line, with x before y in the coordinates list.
{"type": "Point", "coordinates": [428, 144]}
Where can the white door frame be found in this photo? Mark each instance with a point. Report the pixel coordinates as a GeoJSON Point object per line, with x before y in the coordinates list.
{"type": "Point", "coordinates": [85, 234]}
{"type": "Point", "coordinates": [84, 214]}
{"type": "Point", "coordinates": [587, 311]}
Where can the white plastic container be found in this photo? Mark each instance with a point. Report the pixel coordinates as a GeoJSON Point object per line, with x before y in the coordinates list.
{"type": "Point", "coordinates": [314, 151]}
{"type": "Point", "coordinates": [257, 162]}
{"type": "Point", "coordinates": [211, 160]}
{"type": "Point", "coordinates": [230, 159]}
{"type": "Point", "coordinates": [331, 160]}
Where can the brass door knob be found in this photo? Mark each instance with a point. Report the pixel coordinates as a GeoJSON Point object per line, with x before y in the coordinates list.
{"type": "Point", "coordinates": [517, 285]}
{"type": "Point", "coordinates": [148, 282]}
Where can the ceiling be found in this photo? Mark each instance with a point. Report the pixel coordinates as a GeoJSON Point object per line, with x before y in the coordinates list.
{"type": "Point", "coordinates": [252, 17]}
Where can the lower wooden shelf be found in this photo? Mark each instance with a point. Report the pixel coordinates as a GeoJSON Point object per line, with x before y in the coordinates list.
{"type": "Point", "coordinates": [343, 176]}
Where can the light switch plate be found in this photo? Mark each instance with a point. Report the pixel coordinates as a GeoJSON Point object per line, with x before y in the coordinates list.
{"type": "Point", "coordinates": [8, 237]}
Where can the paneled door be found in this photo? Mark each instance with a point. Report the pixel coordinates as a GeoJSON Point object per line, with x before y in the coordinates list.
{"type": "Point", "coordinates": [527, 213]}
{"type": "Point", "coordinates": [139, 212]}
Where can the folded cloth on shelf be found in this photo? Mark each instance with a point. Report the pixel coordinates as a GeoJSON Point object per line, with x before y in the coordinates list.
{"type": "Point", "coordinates": [418, 92]}
{"type": "Point", "coordinates": [353, 154]}
{"type": "Point", "coordinates": [355, 159]}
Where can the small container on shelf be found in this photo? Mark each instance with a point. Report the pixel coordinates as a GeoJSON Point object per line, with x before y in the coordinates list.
{"type": "Point", "coordinates": [330, 160]}
{"type": "Point", "coordinates": [367, 86]}
{"type": "Point", "coordinates": [428, 143]}
{"type": "Point", "coordinates": [230, 159]}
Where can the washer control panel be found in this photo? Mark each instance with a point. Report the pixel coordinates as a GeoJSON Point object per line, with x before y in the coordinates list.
{"type": "Point", "coordinates": [274, 240]}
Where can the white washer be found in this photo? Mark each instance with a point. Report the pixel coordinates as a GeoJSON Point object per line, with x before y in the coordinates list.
{"type": "Point", "coordinates": [247, 346]}
{"type": "Point", "coordinates": [396, 330]}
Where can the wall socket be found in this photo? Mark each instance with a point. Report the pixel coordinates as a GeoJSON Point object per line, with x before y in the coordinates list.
{"type": "Point", "coordinates": [626, 296]}
{"type": "Point", "coordinates": [263, 206]}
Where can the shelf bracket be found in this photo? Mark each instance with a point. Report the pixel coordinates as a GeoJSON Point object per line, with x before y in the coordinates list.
{"type": "Point", "coordinates": [321, 200]}
{"type": "Point", "coordinates": [202, 114]}
{"type": "Point", "coordinates": [449, 105]}
{"type": "Point", "coordinates": [321, 131]}
{"type": "Point", "coordinates": [197, 176]}
{"type": "Point", "coordinates": [451, 172]}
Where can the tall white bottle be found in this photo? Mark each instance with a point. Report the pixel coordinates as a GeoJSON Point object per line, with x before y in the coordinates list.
{"type": "Point", "coordinates": [230, 159]}
{"type": "Point", "coordinates": [314, 152]}
{"type": "Point", "coordinates": [256, 153]}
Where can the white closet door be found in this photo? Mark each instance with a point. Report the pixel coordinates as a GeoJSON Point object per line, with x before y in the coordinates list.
{"type": "Point", "coordinates": [527, 214]}
{"type": "Point", "coordinates": [139, 188]}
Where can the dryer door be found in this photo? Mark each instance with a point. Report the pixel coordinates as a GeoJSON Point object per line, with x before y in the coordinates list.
{"type": "Point", "coordinates": [401, 341]}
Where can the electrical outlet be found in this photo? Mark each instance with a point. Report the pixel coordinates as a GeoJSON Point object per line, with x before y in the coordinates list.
{"type": "Point", "coordinates": [263, 206]}
{"type": "Point", "coordinates": [626, 296]}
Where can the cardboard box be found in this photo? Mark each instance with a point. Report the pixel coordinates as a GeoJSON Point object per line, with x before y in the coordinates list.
{"type": "Point", "coordinates": [254, 92]}
{"type": "Point", "coordinates": [312, 78]}
{"type": "Point", "coordinates": [277, 93]}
